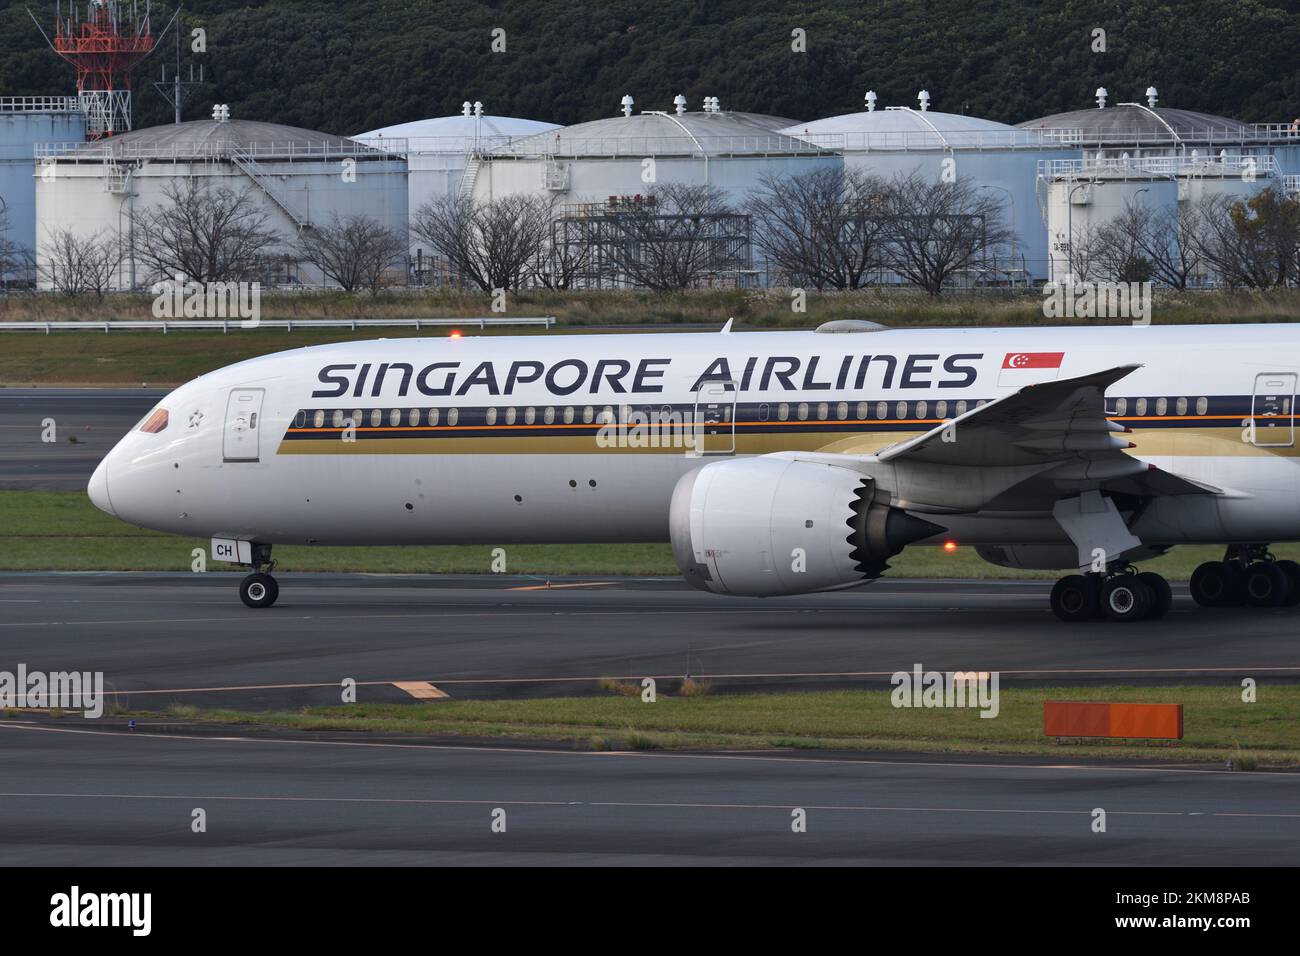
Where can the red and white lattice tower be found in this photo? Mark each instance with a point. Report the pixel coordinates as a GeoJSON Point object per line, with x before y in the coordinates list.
{"type": "Point", "coordinates": [103, 44]}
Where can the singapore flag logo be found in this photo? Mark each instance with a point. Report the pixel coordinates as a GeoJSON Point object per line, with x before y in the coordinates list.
{"type": "Point", "coordinates": [1026, 368]}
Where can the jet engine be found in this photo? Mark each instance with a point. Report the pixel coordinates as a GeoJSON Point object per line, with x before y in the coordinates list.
{"type": "Point", "coordinates": [767, 526]}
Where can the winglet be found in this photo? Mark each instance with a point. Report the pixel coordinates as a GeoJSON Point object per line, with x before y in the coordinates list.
{"type": "Point", "coordinates": [726, 329]}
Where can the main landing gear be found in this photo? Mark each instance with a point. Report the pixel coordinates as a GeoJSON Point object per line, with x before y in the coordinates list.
{"type": "Point", "coordinates": [1122, 594]}
{"type": "Point", "coordinates": [259, 589]}
{"type": "Point", "coordinates": [1247, 575]}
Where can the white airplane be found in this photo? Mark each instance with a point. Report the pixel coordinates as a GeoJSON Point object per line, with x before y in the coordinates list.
{"type": "Point", "coordinates": [776, 463]}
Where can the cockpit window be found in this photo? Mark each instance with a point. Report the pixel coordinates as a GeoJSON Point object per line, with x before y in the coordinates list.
{"type": "Point", "coordinates": [155, 422]}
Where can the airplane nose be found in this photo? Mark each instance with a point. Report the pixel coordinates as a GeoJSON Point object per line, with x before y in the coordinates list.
{"type": "Point", "coordinates": [98, 488]}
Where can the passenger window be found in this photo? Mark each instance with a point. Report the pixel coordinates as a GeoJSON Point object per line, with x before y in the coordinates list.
{"type": "Point", "coordinates": [961, 406]}
{"type": "Point", "coordinates": [842, 411]}
{"type": "Point", "coordinates": [607, 415]}
{"type": "Point", "coordinates": [530, 415]}
{"type": "Point", "coordinates": [568, 414]}
{"type": "Point", "coordinates": [433, 416]}
{"type": "Point", "coordinates": [1121, 406]}
{"type": "Point", "coordinates": [900, 411]}
{"type": "Point", "coordinates": [588, 414]}
{"type": "Point", "coordinates": [1202, 406]}
{"type": "Point", "coordinates": [413, 419]}
{"type": "Point", "coordinates": [1180, 407]}
{"type": "Point", "coordinates": [763, 412]}
{"type": "Point", "coordinates": [549, 415]}
{"type": "Point", "coordinates": [491, 416]}
{"type": "Point", "coordinates": [1140, 406]}
{"type": "Point", "coordinates": [376, 417]}
{"type": "Point", "coordinates": [510, 416]}
{"type": "Point", "coordinates": [395, 417]}
{"type": "Point", "coordinates": [823, 411]}
{"type": "Point", "coordinates": [941, 409]}
{"type": "Point", "coordinates": [803, 411]}
{"type": "Point", "coordinates": [338, 418]}
{"type": "Point", "coordinates": [862, 409]}
{"type": "Point", "coordinates": [1162, 405]}
{"type": "Point", "coordinates": [921, 409]}
{"type": "Point", "coordinates": [882, 410]}
{"type": "Point", "coordinates": [783, 411]}
{"type": "Point", "coordinates": [453, 416]}
{"type": "Point", "coordinates": [318, 420]}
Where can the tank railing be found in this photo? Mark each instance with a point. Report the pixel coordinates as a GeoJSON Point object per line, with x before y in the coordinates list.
{"type": "Point", "coordinates": [442, 144]}
{"type": "Point", "coordinates": [39, 104]}
{"type": "Point", "coordinates": [215, 150]}
{"type": "Point", "coordinates": [548, 145]}
{"type": "Point", "coordinates": [1253, 133]}
{"type": "Point", "coordinates": [922, 139]}
{"type": "Point", "coordinates": [1209, 165]}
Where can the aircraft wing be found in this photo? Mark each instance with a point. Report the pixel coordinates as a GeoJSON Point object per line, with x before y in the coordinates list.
{"type": "Point", "coordinates": [1054, 430]}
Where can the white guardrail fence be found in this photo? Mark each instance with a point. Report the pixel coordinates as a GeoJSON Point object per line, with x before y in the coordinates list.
{"type": "Point", "coordinates": [225, 325]}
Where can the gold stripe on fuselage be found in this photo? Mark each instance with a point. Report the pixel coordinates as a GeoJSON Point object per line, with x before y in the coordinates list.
{"type": "Point", "coordinates": [1208, 441]}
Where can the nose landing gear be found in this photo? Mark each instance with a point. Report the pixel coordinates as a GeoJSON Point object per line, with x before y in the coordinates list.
{"type": "Point", "coordinates": [259, 589]}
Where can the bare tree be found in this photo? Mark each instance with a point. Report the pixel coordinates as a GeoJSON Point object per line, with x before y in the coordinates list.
{"type": "Point", "coordinates": [1157, 244]}
{"type": "Point", "coordinates": [354, 251]}
{"type": "Point", "coordinates": [821, 228]}
{"type": "Point", "coordinates": [76, 264]}
{"type": "Point", "coordinates": [205, 233]}
{"type": "Point", "coordinates": [935, 230]}
{"type": "Point", "coordinates": [1253, 243]}
{"type": "Point", "coordinates": [561, 262]}
{"type": "Point", "coordinates": [683, 236]}
{"type": "Point", "coordinates": [494, 245]}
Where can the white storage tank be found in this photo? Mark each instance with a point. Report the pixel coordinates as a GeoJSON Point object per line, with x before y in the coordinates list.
{"type": "Point", "coordinates": [1144, 128]}
{"type": "Point", "coordinates": [994, 156]}
{"type": "Point", "coordinates": [24, 122]}
{"type": "Point", "coordinates": [1083, 195]}
{"type": "Point", "coordinates": [441, 148]}
{"type": "Point", "coordinates": [300, 177]}
{"type": "Point", "coordinates": [625, 155]}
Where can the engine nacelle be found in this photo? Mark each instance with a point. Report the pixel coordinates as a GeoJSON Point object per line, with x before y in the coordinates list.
{"type": "Point", "coordinates": [767, 526]}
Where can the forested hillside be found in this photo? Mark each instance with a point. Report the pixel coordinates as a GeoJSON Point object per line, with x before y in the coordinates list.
{"type": "Point", "coordinates": [345, 67]}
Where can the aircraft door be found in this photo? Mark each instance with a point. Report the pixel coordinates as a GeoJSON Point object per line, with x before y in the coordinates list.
{"type": "Point", "coordinates": [1272, 409]}
{"type": "Point", "coordinates": [715, 419]}
{"type": "Point", "coordinates": [239, 441]}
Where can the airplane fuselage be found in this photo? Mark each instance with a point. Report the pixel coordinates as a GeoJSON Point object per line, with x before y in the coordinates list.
{"type": "Point", "coordinates": [582, 438]}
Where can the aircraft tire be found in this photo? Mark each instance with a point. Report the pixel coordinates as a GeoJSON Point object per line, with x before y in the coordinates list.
{"type": "Point", "coordinates": [258, 590]}
{"type": "Point", "coordinates": [1126, 598]}
{"type": "Point", "coordinates": [1074, 598]}
{"type": "Point", "coordinates": [1264, 584]}
{"type": "Point", "coordinates": [1162, 596]}
{"type": "Point", "coordinates": [1292, 571]}
{"type": "Point", "coordinates": [1212, 585]}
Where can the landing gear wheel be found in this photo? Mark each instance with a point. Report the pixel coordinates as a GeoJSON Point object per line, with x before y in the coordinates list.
{"type": "Point", "coordinates": [1212, 584]}
{"type": "Point", "coordinates": [1125, 598]}
{"type": "Point", "coordinates": [1264, 584]}
{"type": "Point", "coordinates": [258, 590]}
{"type": "Point", "coordinates": [1074, 598]}
{"type": "Point", "coordinates": [1292, 571]}
{"type": "Point", "coordinates": [1162, 596]}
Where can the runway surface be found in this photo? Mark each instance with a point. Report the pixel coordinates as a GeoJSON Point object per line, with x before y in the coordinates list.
{"type": "Point", "coordinates": [165, 638]}
{"type": "Point", "coordinates": [111, 798]}
{"type": "Point", "coordinates": [95, 417]}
